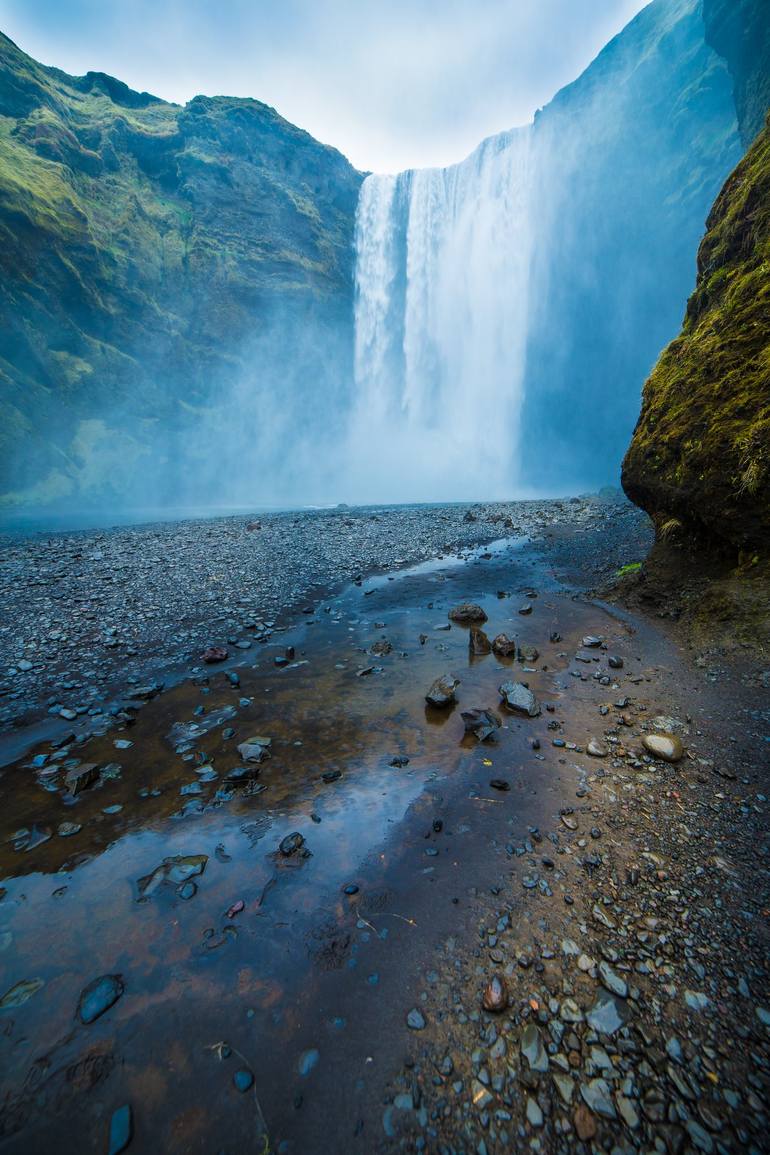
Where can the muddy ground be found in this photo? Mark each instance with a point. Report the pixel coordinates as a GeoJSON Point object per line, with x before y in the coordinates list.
{"type": "Point", "coordinates": [250, 990]}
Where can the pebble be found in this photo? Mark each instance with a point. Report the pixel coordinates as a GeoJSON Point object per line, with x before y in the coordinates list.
{"type": "Point", "coordinates": [415, 1020]}
{"type": "Point", "coordinates": [667, 747]}
{"type": "Point", "coordinates": [121, 1129]}
{"type": "Point", "coordinates": [495, 997]}
{"type": "Point", "coordinates": [243, 1080]}
{"type": "Point", "coordinates": [100, 994]}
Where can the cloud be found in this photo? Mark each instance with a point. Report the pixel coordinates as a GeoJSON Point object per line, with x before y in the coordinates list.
{"type": "Point", "coordinates": [391, 83]}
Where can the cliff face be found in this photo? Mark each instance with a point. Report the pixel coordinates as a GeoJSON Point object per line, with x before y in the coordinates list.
{"type": "Point", "coordinates": [699, 460]}
{"type": "Point", "coordinates": [153, 258]}
{"type": "Point", "coordinates": [638, 149]}
{"type": "Point", "coordinates": [739, 30]}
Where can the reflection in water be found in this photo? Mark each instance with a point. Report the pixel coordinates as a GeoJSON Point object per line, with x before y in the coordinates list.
{"type": "Point", "coordinates": [234, 940]}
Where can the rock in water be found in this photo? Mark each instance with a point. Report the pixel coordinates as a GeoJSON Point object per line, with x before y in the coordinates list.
{"type": "Point", "coordinates": [467, 612]}
{"type": "Point", "coordinates": [518, 697]}
{"type": "Point", "coordinates": [291, 844]}
{"type": "Point", "coordinates": [214, 654]}
{"type": "Point", "coordinates": [442, 692]}
{"type": "Point", "coordinates": [121, 1129]}
{"type": "Point", "coordinates": [99, 996]}
{"type": "Point", "coordinates": [481, 723]}
{"type": "Point", "coordinates": [18, 994]}
{"type": "Point", "coordinates": [667, 747]}
{"type": "Point", "coordinates": [504, 646]}
{"type": "Point", "coordinates": [527, 653]}
{"type": "Point", "coordinates": [478, 642]}
{"type": "Point", "coordinates": [495, 997]}
{"type": "Point", "coordinates": [255, 749]}
{"type": "Point", "coordinates": [81, 777]}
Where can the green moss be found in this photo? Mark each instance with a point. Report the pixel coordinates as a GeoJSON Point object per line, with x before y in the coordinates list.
{"type": "Point", "coordinates": [142, 246]}
{"type": "Point", "coordinates": [629, 568]}
{"type": "Point", "coordinates": [701, 450]}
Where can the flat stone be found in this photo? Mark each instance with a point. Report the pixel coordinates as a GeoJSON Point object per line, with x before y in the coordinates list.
{"type": "Point", "coordinates": [534, 1114]}
{"type": "Point", "coordinates": [100, 994]}
{"type": "Point", "coordinates": [532, 1048]}
{"type": "Point", "coordinates": [597, 1095]}
{"type": "Point", "coordinates": [121, 1129]}
{"type": "Point", "coordinates": [606, 1016]}
{"type": "Point", "coordinates": [612, 981]}
{"type": "Point", "coordinates": [415, 1020]}
{"type": "Point", "coordinates": [520, 698]}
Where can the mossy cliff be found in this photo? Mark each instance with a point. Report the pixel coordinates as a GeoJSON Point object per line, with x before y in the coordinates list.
{"type": "Point", "coordinates": [145, 251]}
{"type": "Point", "coordinates": [699, 460]}
{"type": "Point", "coordinates": [700, 454]}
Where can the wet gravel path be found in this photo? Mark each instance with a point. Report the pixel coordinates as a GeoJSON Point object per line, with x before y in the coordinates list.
{"type": "Point", "coordinates": [84, 614]}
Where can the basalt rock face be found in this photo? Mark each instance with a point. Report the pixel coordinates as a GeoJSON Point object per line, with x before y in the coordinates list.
{"type": "Point", "coordinates": [739, 30]}
{"type": "Point", "coordinates": [699, 461]}
{"type": "Point", "coordinates": [152, 259]}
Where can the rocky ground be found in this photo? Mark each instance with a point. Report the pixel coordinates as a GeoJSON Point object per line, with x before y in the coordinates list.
{"type": "Point", "coordinates": [86, 613]}
{"type": "Point", "coordinates": [388, 936]}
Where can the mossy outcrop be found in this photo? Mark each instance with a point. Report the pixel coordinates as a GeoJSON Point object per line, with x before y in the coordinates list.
{"type": "Point", "coordinates": [699, 461]}
{"type": "Point", "coordinates": [147, 251]}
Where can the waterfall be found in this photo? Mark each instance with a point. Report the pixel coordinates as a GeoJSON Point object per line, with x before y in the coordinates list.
{"type": "Point", "coordinates": [442, 280]}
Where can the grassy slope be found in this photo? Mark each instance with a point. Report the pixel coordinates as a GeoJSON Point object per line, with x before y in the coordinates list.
{"type": "Point", "coordinates": [141, 246]}
{"type": "Point", "coordinates": [700, 454]}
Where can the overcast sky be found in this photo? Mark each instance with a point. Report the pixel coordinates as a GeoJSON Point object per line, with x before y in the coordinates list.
{"type": "Point", "coordinates": [392, 83]}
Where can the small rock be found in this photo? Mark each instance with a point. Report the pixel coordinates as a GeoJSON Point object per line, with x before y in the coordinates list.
{"type": "Point", "coordinates": [495, 997]}
{"type": "Point", "coordinates": [667, 747]}
{"type": "Point", "coordinates": [99, 996]}
{"type": "Point", "coordinates": [415, 1020]}
{"type": "Point", "coordinates": [291, 844]}
{"type": "Point", "coordinates": [442, 692]}
{"type": "Point", "coordinates": [467, 612]}
{"type": "Point", "coordinates": [243, 1080]}
{"type": "Point", "coordinates": [121, 1129]}
{"type": "Point", "coordinates": [520, 698]}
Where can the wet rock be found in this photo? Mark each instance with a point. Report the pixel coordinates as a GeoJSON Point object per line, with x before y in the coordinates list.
{"type": "Point", "coordinates": [667, 747]}
{"type": "Point", "coordinates": [67, 829]}
{"type": "Point", "coordinates": [527, 653]}
{"type": "Point", "coordinates": [307, 1062]}
{"type": "Point", "coordinates": [481, 723]}
{"type": "Point", "coordinates": [597, 1095]}
{"type": "Point", "coordinates": [613, 982]}
{"type": "Point", "coordinates": [525, 609]}
{"type": "Point", "coordinates": [533, 1112]}
{"type": "Point", "coordinates": [596, 749]}
{"type": "Point", "coordinates": [504, 646]}
{"type": "Point", "coordinates": [585, 1124]}
{"type": "Point", "coordinates": [478, 643]}
{"type": "Point", "coordinates": [214, 654]}
{"type": "Point", "coordinates": [331, 775]}
{"type": "Point", "coordinates": [81, 777]}
{"type": "Point", "coordinates": [99, 996]}
{"type": "Point", "coordinates": [467, 612]}
{"type": "Point", "coordinates": [18, 995]}
{"type": "Point", "coordinates": [520, 698]}
{"type": "Point", "coordinates": [255, 749]}
{"type": "Point", "coordinates": [499, 784]}
{"type": "Point", "coordinates": [591, 642]}
{"type": "Point", "coordinates": [415, 1020]}
{"type": "Point", "coordinates": [121, 1129]}
{"type": "Point", "coordinates": [350, 889]}
{"type": "Point", "coordinates": [291, 844]}
{"type": "Point", "coordinates": [174, 870]}
{"type": "Point", "coordinates": [243, 1080]}
{"type": "Point", "coordinates": [532, 1048]}
{"type": "Point", "coordinates": [495, 997]}
{"type": "Point", "coordinates": [614, 662]}
{"type": "Point", "coordinates": [442, 692]}
{"type": "Point", "coordinates": [607, 1015]}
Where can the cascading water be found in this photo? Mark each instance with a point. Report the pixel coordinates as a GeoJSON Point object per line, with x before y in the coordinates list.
{"type": "Point", "coordinates": [442, 283]}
